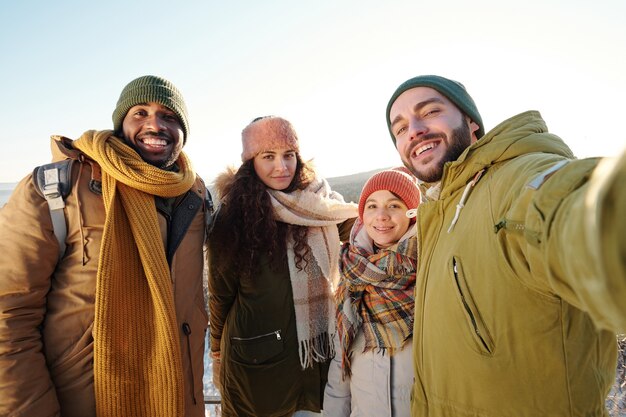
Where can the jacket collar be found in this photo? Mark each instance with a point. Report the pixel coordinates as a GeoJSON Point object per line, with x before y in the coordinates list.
{"type": "Point", "coordinates": [521, 134]}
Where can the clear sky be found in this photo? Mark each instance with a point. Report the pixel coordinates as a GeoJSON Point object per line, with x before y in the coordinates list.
{"type": "Point", "coordinates": [329, 66]}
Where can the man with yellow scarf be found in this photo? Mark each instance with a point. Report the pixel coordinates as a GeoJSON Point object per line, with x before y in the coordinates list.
{"type": "Point", "coordinates": [114, 325]}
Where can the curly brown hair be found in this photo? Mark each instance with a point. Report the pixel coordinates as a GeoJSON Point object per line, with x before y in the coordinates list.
{"type": "Point", "coordinates": [245, 227]}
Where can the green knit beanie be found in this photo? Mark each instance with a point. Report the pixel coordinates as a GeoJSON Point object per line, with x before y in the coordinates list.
{"type": "Point", "coordinates": [453, 90]}
{"type": "Point", "coordinates": [150, 88]}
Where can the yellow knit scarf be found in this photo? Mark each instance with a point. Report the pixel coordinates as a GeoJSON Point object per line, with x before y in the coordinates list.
{"type": "Point", "coordinates": [137, 358]}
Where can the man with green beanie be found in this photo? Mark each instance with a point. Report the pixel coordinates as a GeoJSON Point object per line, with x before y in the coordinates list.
{"type": "Point", "coordinates": [107, 319]}
{"type": "Point", "coordinates": [522, 271]}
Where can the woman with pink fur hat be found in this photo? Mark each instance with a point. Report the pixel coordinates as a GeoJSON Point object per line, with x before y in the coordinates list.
{"type": "Point", "coordinates": [273, 265]}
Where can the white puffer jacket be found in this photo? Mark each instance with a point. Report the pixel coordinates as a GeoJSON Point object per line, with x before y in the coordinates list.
{"type": "Point", "coordinates": [380, 385]}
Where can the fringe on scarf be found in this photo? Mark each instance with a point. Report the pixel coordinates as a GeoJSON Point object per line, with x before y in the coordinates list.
{"type": "Point", "coordinates": [317, 349]}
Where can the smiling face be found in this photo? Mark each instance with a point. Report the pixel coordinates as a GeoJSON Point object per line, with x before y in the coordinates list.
{"type": "Point", "coordinates": [276, 168]}
{"type": "Point", "coordinates": [155, 132]}
{"type": "Point", "coordinates": [429, 131]}
{"type": "Point", "coordinates": [384, 217]}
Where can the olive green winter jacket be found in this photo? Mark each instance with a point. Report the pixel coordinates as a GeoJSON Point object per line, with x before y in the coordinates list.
{"type": "Point", "coordinates": [519, 298]}
{"type": "Point", "coordinates": [253, 324]}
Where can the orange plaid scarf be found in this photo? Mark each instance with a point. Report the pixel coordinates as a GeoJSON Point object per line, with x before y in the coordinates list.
{"type": "Point", "coordinates": [375, 294]}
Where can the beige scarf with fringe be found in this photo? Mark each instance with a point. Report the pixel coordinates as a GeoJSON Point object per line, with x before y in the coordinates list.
{"type": "Point", "coordinates": [321, 209]}
{"type": "Point", "coordinates": [137, 358]}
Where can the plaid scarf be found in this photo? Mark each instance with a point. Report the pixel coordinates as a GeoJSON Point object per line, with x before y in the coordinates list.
{"type": "Point", "coordinates": [138, 367]}
{"type": "Point", "coordinates": [376, 293]}
{"type": "Point", "coordinates": [321, 209]}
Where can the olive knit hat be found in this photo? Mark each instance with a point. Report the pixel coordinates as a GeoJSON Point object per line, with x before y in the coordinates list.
{"type": "Point", "coordinates": [395, 180]}
{"type": "Point", "coordinates": [150, 88]}
{"type": "Point", "coordinates": [453, 90]}
{"type": "Point", "coordinates": [267, 133]}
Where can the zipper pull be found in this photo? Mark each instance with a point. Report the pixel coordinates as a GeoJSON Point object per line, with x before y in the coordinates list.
{"type": "Point", "coordinates": [277, 332]}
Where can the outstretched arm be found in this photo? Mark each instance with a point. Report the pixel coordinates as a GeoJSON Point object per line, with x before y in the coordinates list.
{"type": "Point", "coordinates": [584, 238]}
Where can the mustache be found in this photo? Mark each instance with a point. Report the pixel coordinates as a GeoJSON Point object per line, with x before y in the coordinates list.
{"type": "Point", "coordinates": [160, 135]}
{"type": "Point", "coordinates": [423, 138]}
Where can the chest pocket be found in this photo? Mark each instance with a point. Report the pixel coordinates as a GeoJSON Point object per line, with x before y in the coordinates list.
{"type": "Point", "coordinates": [257, 350]}
{"type": "Point", "coordinates": [482, 341]}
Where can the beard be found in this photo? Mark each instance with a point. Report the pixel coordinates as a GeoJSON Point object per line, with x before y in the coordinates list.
{"type": "Point", "coordinates": [460, 139]}
{"type": "Point", "coordinates": [165, 163]}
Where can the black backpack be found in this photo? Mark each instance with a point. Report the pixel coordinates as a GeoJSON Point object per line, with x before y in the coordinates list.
{"type": "Point", "coordinates": [54, 182]}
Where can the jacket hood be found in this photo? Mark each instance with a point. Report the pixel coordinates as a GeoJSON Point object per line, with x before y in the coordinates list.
{"type": "Point", "coordinates": [61, 148]}
{"type": "Point", "coordinates": [223, 182]}
{"type": "Point", "coordinates": [519, 135]}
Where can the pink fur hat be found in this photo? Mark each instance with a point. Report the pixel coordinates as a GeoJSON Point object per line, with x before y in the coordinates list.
{"type": "Point", "coordinates": [267, 133]}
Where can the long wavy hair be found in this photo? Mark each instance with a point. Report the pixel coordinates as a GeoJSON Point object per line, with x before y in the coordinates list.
{"type": "Point", "coordinates": [245, 227]}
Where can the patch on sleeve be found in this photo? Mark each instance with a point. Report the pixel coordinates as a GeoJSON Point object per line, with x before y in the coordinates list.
{"type": "Point", "coordinates": [538, 181]}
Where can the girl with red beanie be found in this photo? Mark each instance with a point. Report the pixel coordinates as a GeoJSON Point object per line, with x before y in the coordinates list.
{"type": "Point", "coordinates": [372, 373]}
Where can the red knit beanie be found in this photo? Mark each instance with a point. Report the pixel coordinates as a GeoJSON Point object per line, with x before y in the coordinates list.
{"type": "Point", "coordinates": [395, 180]}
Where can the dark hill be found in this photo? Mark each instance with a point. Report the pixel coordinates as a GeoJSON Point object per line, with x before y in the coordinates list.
{"type": "Point", "coordinates": [350, 186]}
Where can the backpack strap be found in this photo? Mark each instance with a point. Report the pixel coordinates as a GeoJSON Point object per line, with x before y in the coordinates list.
{"type": "Point", "coordinates": [54, 183]}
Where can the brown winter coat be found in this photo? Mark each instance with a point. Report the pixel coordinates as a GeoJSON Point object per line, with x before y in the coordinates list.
{"type": "Point", "coordinates": [46, 314]}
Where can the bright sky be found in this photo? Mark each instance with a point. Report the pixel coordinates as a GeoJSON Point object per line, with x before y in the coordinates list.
{"type": "Point", "coordinates": [329, 66]}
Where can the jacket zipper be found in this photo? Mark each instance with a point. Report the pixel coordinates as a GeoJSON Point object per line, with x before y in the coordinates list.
{"type": "Point", "coordinates": [468, 309]}
{"type": "Point", "coordinates": [187, 331]}
{"type": "Point", "coordinates": [276, 332]}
